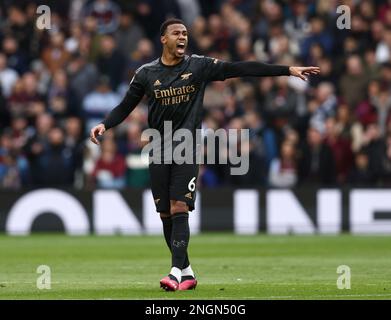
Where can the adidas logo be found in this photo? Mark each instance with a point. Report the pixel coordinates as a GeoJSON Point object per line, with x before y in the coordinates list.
{"type": "Point", "coordinates": [157, 83]}
{"type": "Point", "coordinates": [188, 195]}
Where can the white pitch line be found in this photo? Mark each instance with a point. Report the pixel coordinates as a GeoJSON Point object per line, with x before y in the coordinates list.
{"type": "Point", "coordinates": [320, 296]}
{"type": "Point", "coordinates": [272, 297]}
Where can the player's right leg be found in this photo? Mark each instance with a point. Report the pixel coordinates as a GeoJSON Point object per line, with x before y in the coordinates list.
{"type": "Point", "coordinates": [160, 178]}
{"type": "Point", "coordinates": [182, 196]}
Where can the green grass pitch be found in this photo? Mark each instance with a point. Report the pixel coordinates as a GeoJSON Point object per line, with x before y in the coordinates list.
{"type": "Point", "coordinates": [227, 266]}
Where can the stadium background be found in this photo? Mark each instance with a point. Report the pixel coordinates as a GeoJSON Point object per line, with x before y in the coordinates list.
{"type": "Point", "coordinates": [333, 131]}
{"type": "Point", "coordinates": [320, 152]}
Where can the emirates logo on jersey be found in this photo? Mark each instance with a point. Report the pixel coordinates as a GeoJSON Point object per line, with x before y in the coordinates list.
{"type": "Point", "coordinates": [174, 95]}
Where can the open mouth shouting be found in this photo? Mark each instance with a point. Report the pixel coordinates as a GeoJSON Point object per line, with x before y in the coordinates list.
{"type": "Point", "coordinates": [180, 48]}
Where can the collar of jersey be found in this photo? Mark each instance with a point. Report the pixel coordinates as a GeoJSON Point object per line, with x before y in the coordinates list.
{"type": "Point", "coordinates": [175, 65]}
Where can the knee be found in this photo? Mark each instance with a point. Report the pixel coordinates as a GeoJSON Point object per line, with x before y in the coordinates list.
{"type": "Point", "coordinates": [179, 207]}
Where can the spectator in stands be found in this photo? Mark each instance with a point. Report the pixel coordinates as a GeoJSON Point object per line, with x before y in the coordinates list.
{"type": "Point", "coordinates": [128, 34]}
{"type": "Point", "coordinates": [280, 103]}
{"type": "Point", "coordinates": [74, 142]}
{"type": "Point", "coordinates": [360, 175]}
{"type": "Point", "coordinates": [56, 158]}
{"type": "Point", "coordinates": [316, 162]}
{"type": "Point", "coordinates": [383, 49]}
{"type": "Point", "coordinates": [374, 147]}
{"type": "Point", "coordinates": [110, 168]}
{"type": "Point", "coordinates": [323, 106]}
{"type": "Point", "coordinates": [283, 170]}
{"type": "Point", "coordinates": [354, 82]}
{"type": "Point", "coordinates": [19, 131]}
{"type": "Point", "coordinates": [19, 26]}
{"type": "Point", "coordinates": [72, 43]}
{"type": "Point", "coordinates": [318, 35]}
{"type": "Point", "coordinates": [36, 145]}
{"type": "Point", "coordinates": [111, 62]}
{"type": "Point", "coordinates": [382, 102]}
{"type": "Point", "coordinates": [387, 161]}
{"type": "Point", "coordinates": [59, 96]}
{"type": "Point", "coordinates": [137, 174]}
{"type": "Point", "coordinates": [55, 56]}
{"type": "Point", "coordinates": [341, 148]}
{"type": "Point", "coordinates": [16, 59]}
{"type": "Point", "coordinates": [25, 100]}
{"type": "Point", "coordinates": [99, 102]}
{"type": "Point", "coordinates": [82, 78]}
{"type": "Point", "coordinates": [144, 53]}
{"type": "Point", "coordinates": [106, 13]}
{"type": "Point", "coordinates": [263, 138]}
{"type": "Point", "coordinates": [8, 76]}
{"type": "Point", "coordinates": [14, 168]}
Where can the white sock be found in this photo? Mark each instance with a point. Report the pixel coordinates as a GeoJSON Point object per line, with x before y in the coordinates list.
{"type": "Point", "coordinates": [176, 272]}
{"type": "Point", "coordinates": [188, 271]}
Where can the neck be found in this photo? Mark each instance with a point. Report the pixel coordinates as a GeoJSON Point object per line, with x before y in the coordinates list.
{"type": "Point", "coordinates": [169, 59]}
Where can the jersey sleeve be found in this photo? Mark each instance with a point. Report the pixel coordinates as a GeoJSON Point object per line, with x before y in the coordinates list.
{"type": "Point", "coordinates": [133, 96]}
{"type": "Point", "coordinates": [215, 69]}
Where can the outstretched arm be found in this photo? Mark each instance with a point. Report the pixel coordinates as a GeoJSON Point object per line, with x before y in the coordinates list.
{"type": "Point", "coordinates": [253, 69]}
{"type": "Point", "coordinates": [259, 69]}
{"type": "Point", "coordinates": [220, 70]}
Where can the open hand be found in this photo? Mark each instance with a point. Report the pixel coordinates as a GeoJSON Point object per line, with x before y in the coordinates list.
{"type": "Point", "coordinates": [97, 131]}
{"type": "Point", "coordinates": [302, 72]}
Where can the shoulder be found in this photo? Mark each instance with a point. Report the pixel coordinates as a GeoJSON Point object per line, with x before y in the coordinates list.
{"type": "Point", "coordinates": [203, 61]}
{"type": "Point", "coordinates": [147, 66]}
{"type": "Point", "coordinates": [208, 61]}
{"type": "Point", "coordinates": [201, 57]}
{"type": "Point", "coordinates": [196, 56]}
{"type": "Point", "coordinates": [141, 73]}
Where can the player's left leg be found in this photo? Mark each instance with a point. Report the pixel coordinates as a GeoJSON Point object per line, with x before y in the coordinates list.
{"type": "Point", "coordinates": [180, 235]}
{"type": "Point", "coordinates": [187, 278]}
{"type": "Point", "coordinates": [181, 268]}
{"type": "Point", "coordinates": [167, 232]}
{"type": "Point", "coordinates": [182, 200]}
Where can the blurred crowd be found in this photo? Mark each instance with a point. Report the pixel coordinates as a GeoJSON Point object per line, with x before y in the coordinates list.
{"type": "Point", "coordinates": [332, 130]}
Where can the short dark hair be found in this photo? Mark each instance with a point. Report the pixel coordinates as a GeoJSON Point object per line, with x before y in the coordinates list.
{"type": "Point", "coordinates": [169, 22]}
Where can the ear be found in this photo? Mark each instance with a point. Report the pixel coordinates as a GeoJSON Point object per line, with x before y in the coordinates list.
{"type": "Point", "coordinates": [163, 39]}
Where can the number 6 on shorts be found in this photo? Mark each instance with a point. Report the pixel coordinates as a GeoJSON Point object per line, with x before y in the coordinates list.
{"type": "Point", "coordinates": [191, 186]}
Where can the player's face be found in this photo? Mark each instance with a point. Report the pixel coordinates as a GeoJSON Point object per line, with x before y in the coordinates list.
{"type": "Point", "coordinates": [175, 39]}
